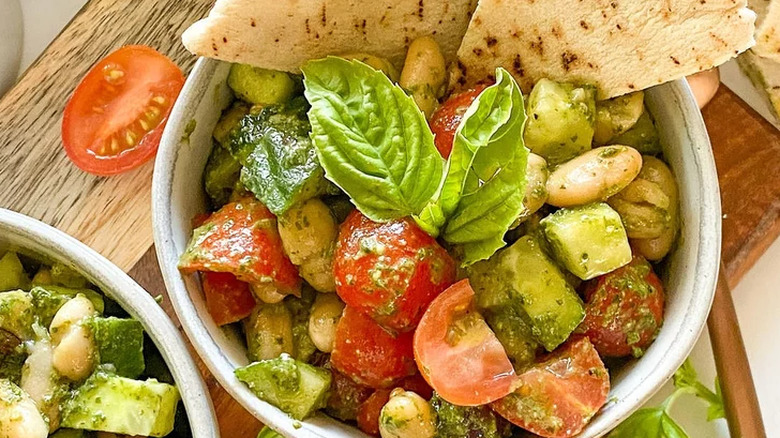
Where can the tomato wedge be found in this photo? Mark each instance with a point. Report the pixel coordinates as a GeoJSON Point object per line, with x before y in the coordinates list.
{"type": "Point", "coordinates": [116, 116]}
{"type": "Point", "coordinates": [227, 299]}
{"type": "Point", "coordinates": [557, 397]}
{"type": "Point", "coordinates": [458, 354]}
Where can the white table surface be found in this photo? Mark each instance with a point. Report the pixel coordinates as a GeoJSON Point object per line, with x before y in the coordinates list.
{"type": "Point", "coordinates": [757, 297]}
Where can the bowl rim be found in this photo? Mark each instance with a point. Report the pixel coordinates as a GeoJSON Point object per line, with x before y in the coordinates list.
{"type": "Point", "coordinates": [707, 254]}
{"type": "Point", "coordinates": [115, 283]}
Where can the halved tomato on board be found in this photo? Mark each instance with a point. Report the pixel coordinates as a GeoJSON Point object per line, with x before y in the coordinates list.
{"type": "Point", "coordinates": [558, 396]}
{"type": "Point", "coordinates": [458, 354]}
{"type": "Point", "coordinates": [116, 116]}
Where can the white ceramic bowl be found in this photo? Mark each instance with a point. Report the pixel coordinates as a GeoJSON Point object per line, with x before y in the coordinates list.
{"type": "Point", "coordinates": [690, 278]}
{"type": "Point", "coordinates": [38, 240]}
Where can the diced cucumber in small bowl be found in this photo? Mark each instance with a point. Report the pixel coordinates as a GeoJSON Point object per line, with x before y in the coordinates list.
{"type": "Point", "coordinates": [84, 349]}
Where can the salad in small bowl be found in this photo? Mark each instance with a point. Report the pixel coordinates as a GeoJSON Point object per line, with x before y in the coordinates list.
{"type": "Point", "coordinates": [353, 241]}
{"type": "Point", "coordinates": [84, 351]}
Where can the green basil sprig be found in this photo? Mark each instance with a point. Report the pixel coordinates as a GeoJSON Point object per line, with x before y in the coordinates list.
{"type": "Point", "coordinates": [657, 423]}
{"type": "Point", "coordinates": [375, 144]}
{"type": "Point", "coordinates": [371, 139]}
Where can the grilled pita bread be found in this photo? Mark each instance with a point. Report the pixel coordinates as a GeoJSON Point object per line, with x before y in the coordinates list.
{"type": "Point", "coordinates": [284, 34]}
{"type": "Point", "coordinates": [767, 28]}
{"type": "Point", "coordinates": [618, 45]}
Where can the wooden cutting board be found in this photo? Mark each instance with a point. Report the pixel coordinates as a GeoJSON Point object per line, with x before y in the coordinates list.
{"type": "Point", "coordinates": [112, 215]}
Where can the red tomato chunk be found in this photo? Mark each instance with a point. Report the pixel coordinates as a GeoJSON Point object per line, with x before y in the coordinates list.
{"type": "Point", "coordinates": [368, 354]}
{"type": "Point", "coordinates": [624, 309]}
{"type": "Point", "coordinates": [242, 239]}
{"type": "Point", "coordinates": [227, 299]}
{"type": "Point", "coordinates": [390, 271]}
{"type": "Point", "coordinates": [559, 395]}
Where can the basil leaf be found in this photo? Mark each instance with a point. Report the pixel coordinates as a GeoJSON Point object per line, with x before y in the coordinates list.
{"type": "Point", "coordinates": [279, 161]}
{"type": "Point", "coordinates": [371, 139]}
{"type": "Point", "coordinates": [686, 379]}
{"type": "Point", "coordinates": [483, 190]}
{"type": "Point", "coordinates": [648, 423]}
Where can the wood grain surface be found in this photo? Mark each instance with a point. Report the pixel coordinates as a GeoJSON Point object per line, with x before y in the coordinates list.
{"type": "Point", "coordinates": [112, 214]}
{"type": "Point", "coordinates": [109, 214]}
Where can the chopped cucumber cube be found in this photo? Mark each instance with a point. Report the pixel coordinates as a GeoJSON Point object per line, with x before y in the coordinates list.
{"type": "Point", "coordinates": [295, 387]}
{"type": "Point", "coordinates": [12, 275]}
{"type": "Point", "coordinates": [561, 120]}
{"type": "Point", "coordinates": [17, 314]}
{"type": "Point", "coordinates": [120, 342]}
{"type": "Point", "coordinates": [260, 86]}
{"type": "Point", "coordinates": [522, 281]}
{"type": "Point", "coordinates": [110, 403]}
{"type": "Point", "coordinates": [589, 240]}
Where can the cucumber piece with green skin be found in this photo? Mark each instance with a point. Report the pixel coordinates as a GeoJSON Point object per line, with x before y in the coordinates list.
{"type": "Point", "coordinates": [220, 176]}
{"type": "Point", "coordinates": [523, 280]}
{"type": "Point", "coordinates": [111, 403]}
{"type": "Point", "coordinates": [17, 314]}
{"type": "Point", "coordinates": [294, 387]}
{"type": "Point", "coordinates": [120, 342]}
{"type": "Point", "coordinates": [260, 86]}
{"type": "Point", "coordinates": [230, 120]}
{"type": "Point", "coordinates": [70, 433]}
{"type": "Point", "coordinates": [267, 432]}
{"type": "Point", "coordinates": [643, 136]}
{"type": "Point", "coordinates": [560, 120]}
{"type": "Point", "coordinates": [467, 421]}
{"type": "Point", "coordinates": [589, 240]}
{"type": "Point", "coordinates": [514, 333]}
{"type": "Point", "coordinates": [64, 275]}
{"type": "Point", "coordinates": [617, 115]}
{"type": "Point", "coordinates": [12, 275]}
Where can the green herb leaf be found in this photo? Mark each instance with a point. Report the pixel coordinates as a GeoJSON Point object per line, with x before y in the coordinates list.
{"type": "Point", "coordinates": [267, 432]}
{"type": "Point", "coordinates": [371, 139]}
{"type": "Point", "coordinates": [483, 190]}
{"type": "Point", "coordinates": [279, 161]}
{"type": "Point", "coordinates": [686, 379]}
{"type": "Point", "coordinates": [649, 423]}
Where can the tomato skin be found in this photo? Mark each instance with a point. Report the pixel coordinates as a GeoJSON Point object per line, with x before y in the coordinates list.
{"type": "Point", "coordinates": [368, 413]}
{"type": "Point", "coordinates": [133, 103]}
{"type": "Point", "coordinates": [624, 309]}
{"type": "Point", "coordinates": [391, 271]}
{"type": "Point", "coordinates": [242, 239]}
{"type": "Point", "coordinates": [346, 396]}
{"type": "Point", "coordinates": [368, 354]}
{"type": "Point", "coordinates": [446, 119]}
{"type": "Point", "coordinates": [227, 299]}
{"type": "Point", "coordinates": [472, 371]}
{"type": "Point", "coordinates": [558, 396]}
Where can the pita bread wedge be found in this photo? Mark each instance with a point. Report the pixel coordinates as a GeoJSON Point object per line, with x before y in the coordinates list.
{"type": "Point", "coordinates": [767, 28]}
{"type": "Point", "coordinates": [618, 45]}
{"type": "Point", "coordinates": [764, 73]}
{"type": "Point", "coordinates": [283, 34]}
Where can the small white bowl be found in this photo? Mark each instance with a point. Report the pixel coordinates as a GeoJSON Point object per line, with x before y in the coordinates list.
{"type": "Point", "coordinates": [38, 240]}
{"type": "Point", "coordinates": [690, 278]}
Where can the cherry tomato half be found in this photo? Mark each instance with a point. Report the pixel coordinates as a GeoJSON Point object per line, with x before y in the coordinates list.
{"type": "Point", "coordinates": [624, 309]}
{"type": "Point", "coordinates": [458, 354]}
{"type": "Point", "coordinates": [116, 116]}
{"type": "Point", "coordinates": [391, 271]}
{"type": "Point", "coordinates": [445, 120]}
{"type": "Point", "coordinates": [558, 396]}
{"type": "Point", "coordinates": [227, 299]}
{"type": "Point", "coordinates": [368, 354]}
